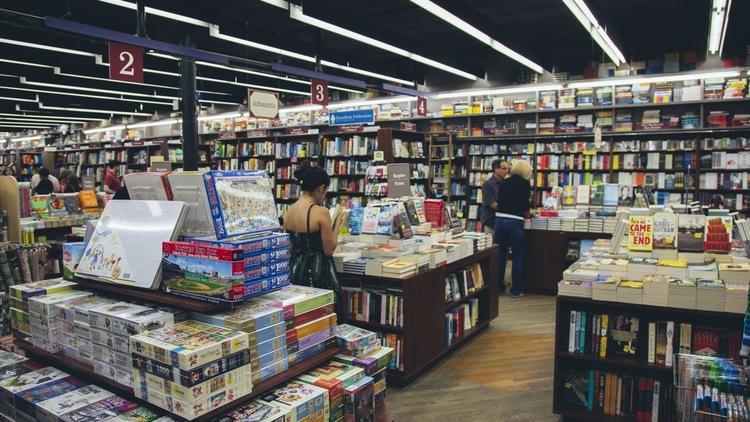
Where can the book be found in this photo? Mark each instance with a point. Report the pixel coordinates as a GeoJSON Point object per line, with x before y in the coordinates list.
{"type": "Point", "coordinates": [625, 197]}
{"type": "Point", "coordinates": [188, 187]}
{"type": "Point", "coordinates": [241, 202]}
{"type": "Point", "coordinates": [665, 230]}
{"type": "Point", "coordinates": [257, 411]}
{"type": "Point", "coordinates": [611, 195]}
{"type": "Point", "coordinates": [88, 200]}
{"type": "Point", "coordinates": [100, 410]}
{"type": "Point", "coordinates": [40, 205]}
{"type": "Point", "coordinates": [126, 245]}
{"type": "Point", "coordinates": [403, 226]}
{"type": "Point", "coordinates": [370, 220]}
{"type": "Point", "coordinates": [153, 186]}
{"type": "Point", "coordinates": [706, 342]}
{"type": "Point", "coordinates": [583, 195]}
{"type": "Point", "coordinates": [356, 215]}
{"type": "Point", "coordinates": [690, 233]}
{"type": "Point", "coordinates": [640, 233]}
{"type": "Point", "coordinates": [55, 408]}
{"type": "Point", "coordinates": [623, 335]}
{"type": "Point", "coordinates": [72, 203]}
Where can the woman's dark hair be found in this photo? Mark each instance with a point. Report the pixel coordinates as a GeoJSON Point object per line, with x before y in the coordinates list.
{"type": "Point", "coordinates": [43, 173]}
{"type": "Point", "coordinates": [311, 177]}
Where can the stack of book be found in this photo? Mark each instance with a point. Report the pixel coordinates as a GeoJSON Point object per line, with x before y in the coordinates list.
{"type": "Point", "coordinates": [185, 355]}
{"type": "Point", "coordinates": [656, 291]}
{"type": "Point", "coordinates": [584, 97]}
{"type": "Point", "coordinates": [640, 267]}
{"type": "Point", "coordinates": [713, 88]}
{"type": "Point", "coordinates": [335, 377]}
{"type": "Point", "coordinates": [717, 118]}
{"type": "Point", "coordinates": [604, 96]}
{"type": "Point", "coordinates": [623, 95]}
{"type": "Point", "coordinates": [605, 290]}
{"type": "Point", "coordinates": [630, 292]}
{"type": "Point", "coordinates": [735, 88]}
{"type": "Point", "coordinates": [460, 320]}
{"type": "Point", "coordinates": [567, 98]}
{"type": "Point", "coordinates": [266, 330]}
{"type": "Point", "coordinates": [623, 122]}
{"type": "Point", "coordinates": [302, 401]}
{"type": "Point", "coordinates": [43, 318]}
{"type": "Point", "coordinates": [309, 317]}
{"type": "Point", "coordinates": [709, 295]}
{"type": "Point", "coordinates": [682, 294]}
{"type": "Point", "coordinates": [735, 298]}
{"type": "Point", "coordinates": [547, 100]}
{"type": "Point", "coordinates": [641, 93]}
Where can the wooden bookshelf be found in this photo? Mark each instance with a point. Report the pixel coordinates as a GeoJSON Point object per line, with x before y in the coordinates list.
{"type": "Point", "coordinates": [423, 332]}
{"type": "Point", "coordinates": [636, 366]}
{"type": "Point", "coordinates": [86, 371]}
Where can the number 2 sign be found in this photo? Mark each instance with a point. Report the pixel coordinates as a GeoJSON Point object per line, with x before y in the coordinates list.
{"type": "Point", "coordinates": [319, 92]}
{"type": "Point", "coordinates": [125, 62]}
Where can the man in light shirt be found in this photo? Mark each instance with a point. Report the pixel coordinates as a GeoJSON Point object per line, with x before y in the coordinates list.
{"type": "Point", "coordinates": [35, 179]}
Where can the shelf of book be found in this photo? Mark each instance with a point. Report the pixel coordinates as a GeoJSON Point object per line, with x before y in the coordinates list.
{"type": "Point", "coordinates": [423, 335]}
{"type": "Point", "coordinates": [453, 303]}
{"type": "Point", "coordinates": [258, 389]}
{"type": "Point", "coordinates": [375, 327]}
{"type": "Point", "coordinates": [629, 346]}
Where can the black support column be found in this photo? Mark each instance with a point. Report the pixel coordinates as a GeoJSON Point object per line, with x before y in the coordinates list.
{"type": "Point", "coordinates": [189, 122]}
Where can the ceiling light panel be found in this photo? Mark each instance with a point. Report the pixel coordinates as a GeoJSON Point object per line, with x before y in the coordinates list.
{"type": "Point", "coordinates": [476, 33]}
{"type": "Point", "coordinates": [718, 22]}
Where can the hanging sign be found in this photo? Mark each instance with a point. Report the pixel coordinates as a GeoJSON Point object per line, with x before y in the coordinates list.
{"type": "Point", "coordinates": [421, 106]}
{"type": "Point", "coordinates": [351, 117]}
{"type": "Point", "coordinates": [319, 92]}
{"type": "Point", "coordinates": [399, 180]}
{"type": "Point", "coordinates": [125, 62]}
{"type": "Point", "coordinates": [411, 127]}
{"type": "Point", "coordinates": [263, 104]}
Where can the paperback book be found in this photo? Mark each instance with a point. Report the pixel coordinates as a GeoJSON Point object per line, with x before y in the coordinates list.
{"type": "Point", "coordinates": [188, 186]}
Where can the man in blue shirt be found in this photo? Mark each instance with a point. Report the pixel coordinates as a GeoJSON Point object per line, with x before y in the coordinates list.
{"type": "Point", "coordinates": [490, 188]}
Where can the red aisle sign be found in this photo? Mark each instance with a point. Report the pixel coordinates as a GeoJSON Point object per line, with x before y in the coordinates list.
{"type": "Point", "coordinates": [319, 92]}
{"type": "Point", "coordinates": [421, 106]}
{"type": "Point", "coordinates": [125, 62]}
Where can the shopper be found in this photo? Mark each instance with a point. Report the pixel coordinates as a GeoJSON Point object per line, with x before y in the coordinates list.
{"type": "Point", "coordinates": [8, 171]}
{"type": "Point", "coordinates": [70, 183]}
{"type": "Point", "coordinates": [314, 236]}
{"type": "Point", "coordinates": [489, 194]}
{"type": "Point", "coordinates": [513, 204]}
{"type": "Point", "coordinates": [112, 182]}
{"type": "Point", "coordinates": [35, 179]}
{"type": "Point", "coordinates": [45, 185]}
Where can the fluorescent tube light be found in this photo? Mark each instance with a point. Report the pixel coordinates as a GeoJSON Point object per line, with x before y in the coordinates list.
{"type": "Point", "coordinates": [156, 123]}
{"type": "Point", "coordinates": [301, 108]}
{"type": "Point", "coordinates": [269, 88]}
{"type": "Point", "coordinates": [230, 115]}
{"type": "Point", "coordinates": [215, 32]}
{"type": "Point", "coordinates": [94, 110]}
{"type": "Point", "coordinates": [588, 20]}
{"type": "Point", "coordinates": [104, 129]}
{"type": "Point", "coordinates": [27, 138]}
{"type": "Point", "coordinates": [218, 102]}
{"type": "Point", "coordinates": [476, 33]}
{"type": "Point", "coordinates": [364, 103]}
{"type": "Point", "coordinates": [718, 22]}
{"type": "Point", "coordinates": [29, 126]}
{"type": "Point", "coordinates": [106, 91]}
{"type": "Point", "coordinates": [24, 100]}
{"type": "Point", "coordinates": [45, 117]}
{"type": "Point", "coordinates": [46, 47]}
{"type": "Point", "coordinates": [499, 91]}
{"type": "Point", "coordinates": [75, 94]}
{"type": "Point", "coordinates": [55, 121]}
{"type": "Point", "coordinates": [654, 79]}
{"type": "Point", "coordinates": [295, 12]}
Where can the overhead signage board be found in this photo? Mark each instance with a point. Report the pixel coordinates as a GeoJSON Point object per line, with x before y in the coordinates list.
{"type": "Point", "coordinates": [399, 180]}
{"type": "Point", "coordinates": [319, 92]}
{"type": "Point", "coordinates": [351, 117]}
{"type": "Point", "coordinates": [263, 104]}
{"type": "Point", "coordinates": [125, 62]}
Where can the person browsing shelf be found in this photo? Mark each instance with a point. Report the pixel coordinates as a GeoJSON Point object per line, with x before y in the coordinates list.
{"type": "Point", "coordinates": [112, 181]}
{"type": "Point", "coordinates": [513, 204]}
{"type": "Point", "coordinates": [314, 236]}
{"type": "Point", "coordinates": [489, 194]}
{"type": "Point", "coordinates": [44, 186]}
{"type": "Point", "coordinates": [70, 183]}
{"type": "Point", "coordinates": [36, 178]}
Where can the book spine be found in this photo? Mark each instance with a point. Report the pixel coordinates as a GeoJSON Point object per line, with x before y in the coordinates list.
{"type": "Point", "coordinates": [655, 402]}
{"type": "Point", "coordinates": [200, 251]}
{"type": "Point", "coordinates": [603, 347]}
{"type": "Point", "coordinates": [651, 342]}
{"type": "Point", "coordinates": [582, 333]}
{"type": "Point", "coordinates": [670, 344]}
{"type": "Point", "coordinates": [618, 396]}
{"type": "Point", "coordinates": [572, 332]}
{"type": "Point", "coordinates": [213, 204]}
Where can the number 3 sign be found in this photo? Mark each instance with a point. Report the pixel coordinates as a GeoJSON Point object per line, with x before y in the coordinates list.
{"type": "Point", "coordinates": [319, 92]}
{"type": "Point", "coordinates": [125, 62]}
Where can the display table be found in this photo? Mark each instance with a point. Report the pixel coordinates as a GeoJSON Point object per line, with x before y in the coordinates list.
{"type": "Point", "coordinates": [424, 331]}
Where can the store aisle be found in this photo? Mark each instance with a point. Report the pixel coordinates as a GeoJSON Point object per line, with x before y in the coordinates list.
{"type": "Point", "coordinates": [503, 375]}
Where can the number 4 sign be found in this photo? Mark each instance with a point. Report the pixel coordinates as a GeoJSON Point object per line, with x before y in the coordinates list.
{"type": "Point", "coordinates": [319, 92]}
{"type": "Point", "coordinates": [125, 62]}
{"type": "Point", "coordinates": [421, 106]}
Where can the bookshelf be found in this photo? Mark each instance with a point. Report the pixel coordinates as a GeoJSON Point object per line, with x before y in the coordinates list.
{"type": "Point", "coordinates": [423, 332]}
{"type": "Point", "coordinates": [637, 365]}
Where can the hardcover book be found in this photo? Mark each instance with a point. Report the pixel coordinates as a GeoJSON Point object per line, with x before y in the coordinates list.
{"type": "Point", "coordinates": [57, 204]}
{"type": "Point", "coordinates": [355, 220]}
{"type": "Point", "coordinates": [72, 203]}
{"type": "Point", "coordinates": [89, 201]}
{"type": "Point", "coordinates": [241, 202]}
{"type": "Point", "coordinates": [188, 186]}
{"type": "Point", "coordinates": [623, 335]}
{"type": "Point", "coordinates": [148, 186]}
{"type": "Point", "coordinates": [690, 232]}
{"type": "Point", "coordinates": [126, 245]}
{"type": "Point", "coordinates": [665, 230]}
{"type": "Point", "coordinates": [611, 195]}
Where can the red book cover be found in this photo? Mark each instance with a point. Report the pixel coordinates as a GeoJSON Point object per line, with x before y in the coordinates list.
{"type": "Point", "coordinates": [201, 251]}
{"type": "Point", "coordinates": [706, 342]}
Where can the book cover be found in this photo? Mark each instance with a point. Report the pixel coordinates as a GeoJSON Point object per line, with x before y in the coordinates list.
{"type": "Point", "coordinates": [241, 202]}
{"type": "Point", "coordinates": [611, 195]}
{"type": "Point", "coordinates": [148, 186]}
{"type": "Point", "coordinates": [411, 212]}
{"type": "Point", "coordinates": [706, 342]}
{"type": "Point", "coordinates": [690, 232]}
{"type": "Point", "coordinates": [661, 343]}
{"type": "Point", "coordinates": [188, 187]}
{"type": "Point", "coordinates": [583, 195]}
{"type": "Point", "coordinates": [640, 233]}
{"type": "Point", "coordinates": [302, 399]}
{"type": "Point", "coordinates": [257, 411]}
{"type": "Point", "coordinates": [370, 220]}
{"type": "Point", "coordinates": [576, 387]}
{"type": "Point", "coordinates": [126, 245]}
{"type": "Point", "coordinates": [665, 230]}
{"type": "Point", "coordinates": [88, 199]}
{"type": "Point", "coordinates": [403, 227]}
{"type": "Point", "coordinates": [99, 411]}
{"type": "Point", "coordinates": [40, 205]}
{"type": "Point", "coordinates": [597, 194]}
{"type": "Point", "coordinates": [625, 197]}
{"type": "Point", "coordinates": [569, 195]}
{"type": "Point", "coordinates": [355, 220]}
{"type": "Point", "coordinates": [57, 204]}
{"type": "Point", "coordinates": [623, 335]}
{"type": "Point", "coordinates": [359, 401]}
{"type": "Point", "coordinates": [72, 203]}
{"type": "Point", "coordinates": [419, 206]}
{"type": "Point", "coordinates": [55, 408]}
{"type": "Point", "coordinates": [385, 219]}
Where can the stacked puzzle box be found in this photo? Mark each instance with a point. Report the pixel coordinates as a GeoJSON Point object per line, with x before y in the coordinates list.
{"type": "Point", "coordinates": [191, 367]}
